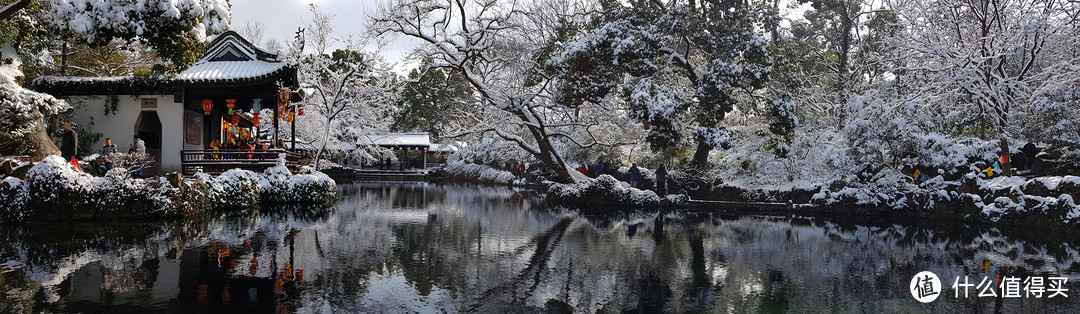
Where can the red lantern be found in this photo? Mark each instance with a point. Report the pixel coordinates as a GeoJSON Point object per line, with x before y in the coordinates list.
{"type": "Point", "coordinates": [300, 110]}
{"type": "Point", "coordinates": [207, 106]}
{"type": "Point", "coordinates": [231, 103]}
{"type": "Point", "coordinates": [245, 134]}
{"type": "Point", "coordinates": [256, 108]}
{"type": "Point", "coordinates": [235, 119]}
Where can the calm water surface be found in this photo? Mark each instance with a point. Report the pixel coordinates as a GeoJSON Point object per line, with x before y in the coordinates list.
{"type": "Point", "coordinates": [414, 247]}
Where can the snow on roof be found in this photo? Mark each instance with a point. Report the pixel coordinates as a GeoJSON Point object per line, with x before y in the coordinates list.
{"type": "Point", "coordinates": [229, 70]}
{"type": "Point", "coordinates": [447, 148]}
{"type": "Point", "coordinates": [230, 57]}
{"type": "Point", "coordinates": [395, 139]}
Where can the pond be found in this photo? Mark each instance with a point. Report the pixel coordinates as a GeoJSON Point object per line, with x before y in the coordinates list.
{"type": "Point", "coordinates": [417, 247]}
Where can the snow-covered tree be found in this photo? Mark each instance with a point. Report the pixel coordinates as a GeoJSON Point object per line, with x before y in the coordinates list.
{"type": "Point", "coordinates": [979, 54]}
{"type": "Point", "coordinates": [678, 65]}
{"type": "Point", "coordinates": [494, 44]}
{"type": "Point", "coordinates": [175, 29]}
{"type": "Point", "coordinates": [353, 90]}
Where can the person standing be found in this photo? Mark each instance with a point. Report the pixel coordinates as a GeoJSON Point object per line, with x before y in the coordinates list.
{"type": "Point", "coordinates": [635, 175]}
{"type": "Point", "coordinates": [661, 180]}
{"type": "Point", "coordinates": [1030, 150]}
{"type": "Point", "coordinates": [107, 150]}
{"type": "Point", "coordinates": [137, 145]}
{"type": "Point", "coordinates": [599, 168]}
{"type": "Point", "coordinates": [70, 143]}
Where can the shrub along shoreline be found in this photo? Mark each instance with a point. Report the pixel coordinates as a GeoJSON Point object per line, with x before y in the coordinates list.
{"type": "Point", "coordinates": [53, 190]}
{"type": "Point", "coordinates": [1047, 202]}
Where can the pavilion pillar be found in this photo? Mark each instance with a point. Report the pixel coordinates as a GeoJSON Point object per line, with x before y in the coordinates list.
{"type": "Point", "coordinates": [276, 109]}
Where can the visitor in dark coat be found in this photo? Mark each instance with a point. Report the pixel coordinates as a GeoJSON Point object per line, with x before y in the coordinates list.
{"type": "Point", "coordinates": [1030, 150]}
{"type": "Point", "coordinates": [635, 175]}
{"type": "Point", "coordinates": [661, 180]}
{"type": "Point", "coordinates": [70, 142]}
{"type": "Point", "coordinates": [599, 168]}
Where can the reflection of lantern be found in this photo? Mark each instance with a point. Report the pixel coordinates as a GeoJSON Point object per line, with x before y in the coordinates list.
{"type": "Point", "coordinates": [207, 106]}
{"type": "Point", "coordinates": [299, 110]}
{"type": "Point", "coordinates": [256, 108]}
{"type": "Point", "coordinates": [231, 103]}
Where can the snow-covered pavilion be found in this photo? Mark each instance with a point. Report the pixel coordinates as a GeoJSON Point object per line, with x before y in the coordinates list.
{"type": "Point", "coordinates": [169, 113]}
{"type": "Point", "coordinates": [402, 143]}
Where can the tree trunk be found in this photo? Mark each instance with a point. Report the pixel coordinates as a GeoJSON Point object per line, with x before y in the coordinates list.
{"type": "Point", "coordinates": [318, 155]}
{"type": "Point", "coordinates": [549, 156]}
{"type": "Point", "coordinates": [701, 155]}
{"type": "Point", "coordinates": [41, 145]}
{"type": "Point", "coordinates": [1006, 165]}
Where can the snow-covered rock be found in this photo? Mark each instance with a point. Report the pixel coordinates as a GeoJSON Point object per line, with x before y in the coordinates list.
{"type": "Point", "coordinates": [479, 173]}
{"type": "Point", "coordinates": [605, 189]}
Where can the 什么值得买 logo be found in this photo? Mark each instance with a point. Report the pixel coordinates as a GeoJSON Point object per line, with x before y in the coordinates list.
{"type": "Point", "coordinates": [925, 287]}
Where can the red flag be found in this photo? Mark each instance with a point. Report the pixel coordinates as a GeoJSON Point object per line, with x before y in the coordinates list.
{"type": "Point", "coordinates": [75, 162]}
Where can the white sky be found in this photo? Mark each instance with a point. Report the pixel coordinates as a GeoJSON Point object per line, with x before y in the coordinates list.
{"type": "Point", "coordinates": [283, 17]}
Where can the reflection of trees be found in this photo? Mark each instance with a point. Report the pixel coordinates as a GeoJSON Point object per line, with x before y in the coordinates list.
{"type": "Point", "coordinates": [478, 249]}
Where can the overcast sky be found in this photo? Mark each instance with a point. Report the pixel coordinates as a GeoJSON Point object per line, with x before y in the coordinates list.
{"type": "Point", "coordinates": [283, 17]}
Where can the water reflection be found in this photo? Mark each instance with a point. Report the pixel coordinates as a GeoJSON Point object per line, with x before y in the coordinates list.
{"type": "Point", "coordinates": [417, 247]}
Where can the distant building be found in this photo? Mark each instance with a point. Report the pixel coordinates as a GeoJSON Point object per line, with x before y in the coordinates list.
{"type": "Point", "coordinates": [168, 113]}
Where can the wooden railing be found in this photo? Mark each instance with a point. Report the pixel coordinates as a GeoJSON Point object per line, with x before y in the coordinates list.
{"type": "Point", "coordinates": [218, 161]}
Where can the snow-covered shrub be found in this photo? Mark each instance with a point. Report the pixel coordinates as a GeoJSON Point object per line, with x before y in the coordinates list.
{"type": "Point", "coordinates": [487, 151]}
{"type": "Point", "coordinates": [478, 173]}
{"type": "Point", "coordinates": [235, 189]}
{"type": "Point", "coordinates": [276, 184]}
{"type": "Point", "coordinates": [313, 188]}
{"type": "Point", "coordinates": [13, 192]}
{"type": "Point", "coordinates": [605, 189]}
{"type": "Point", "coordinates": [55, 184]}
{"type": "Point", "coordinates": [280, 186]}
{"type": "Point", "coordinates": [118, 192]}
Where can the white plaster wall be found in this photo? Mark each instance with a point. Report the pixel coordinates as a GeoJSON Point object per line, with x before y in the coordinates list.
{"type": "Point", "coordinates": [120, 126]}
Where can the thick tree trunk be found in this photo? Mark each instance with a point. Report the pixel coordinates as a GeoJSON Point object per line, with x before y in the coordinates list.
{"type": "Point", "coordinates": [1006, 166]}
{"type": "Point", "coordinates": [701, 155]}
{"type": "Point", "coordinates": [41, 145]}
{"type": "Point", "coordinates": [549, 156]}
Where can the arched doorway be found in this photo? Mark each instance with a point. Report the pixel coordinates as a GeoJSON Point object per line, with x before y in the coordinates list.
{"type": "Point", "coordinates": [148, 127]}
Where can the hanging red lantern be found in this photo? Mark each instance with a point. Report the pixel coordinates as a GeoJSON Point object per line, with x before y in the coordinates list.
{"type": "Point", "coordinates": [207, 106]}
{"type": "Point", "coordinates": [300, 110]}
{"type": "Point", "coordinates": [256, 108]}
{"type": "Point", "coordinates": [231, 103]}
{"type": "Point", "coordinates": [235, 119]}
{"type": "Point", "coordinates": [245, 134]}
